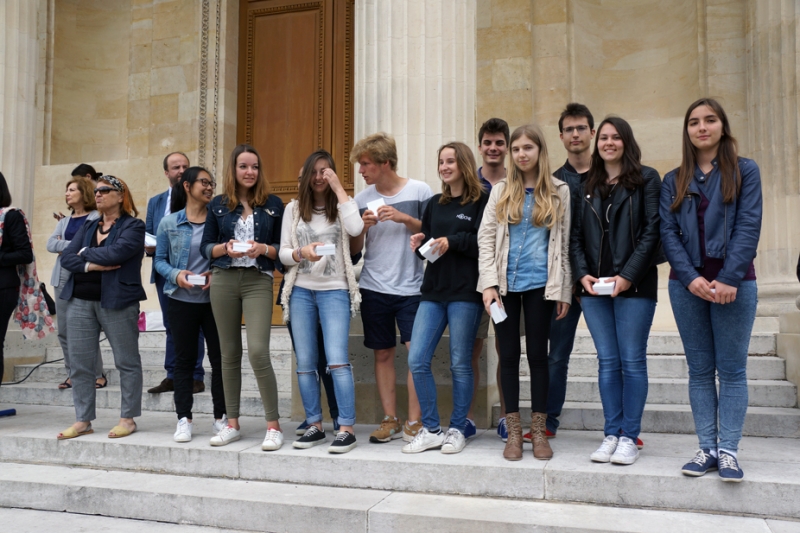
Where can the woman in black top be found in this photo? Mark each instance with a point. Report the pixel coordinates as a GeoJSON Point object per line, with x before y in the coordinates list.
{"type": "Point", "coordinates": [15, 250]}
{"type": "Point", "coordinates": [615, 238]}
{"type": "Point", "coordinates": [450, 225]}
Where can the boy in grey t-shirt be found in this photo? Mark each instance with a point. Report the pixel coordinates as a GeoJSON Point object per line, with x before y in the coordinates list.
{"type": "Point", "coordinates": [392, 275]}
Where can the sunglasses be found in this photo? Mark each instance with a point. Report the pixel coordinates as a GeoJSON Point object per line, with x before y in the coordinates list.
{"type": "Point", "coordinates": [104, 190]}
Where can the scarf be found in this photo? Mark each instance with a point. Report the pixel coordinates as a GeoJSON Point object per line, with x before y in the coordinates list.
{"type": "Point", "coordinates": [31, 313]}
{"type": "Point", "coordinates": [291, 276]}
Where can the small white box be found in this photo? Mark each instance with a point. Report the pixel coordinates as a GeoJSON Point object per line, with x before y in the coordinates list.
{"type": "Point", "coordinates": [713, 290]}
{"type": "Point", "coordinates": [604, 287]}
{"type": "Point", "coordinates": [498, 313]}
{"type": "Point", "coordinates": [241, 246]}
{"type": "Point", "coordinates": [196, 280]}
{"type": "Point", "coordinates": [326, 249]}
{"type": "Point", "coordinates": [427, 253]}
{"type": "Point", "coordinates": [374, 205]}
{"type": "Point", "coordinates": [149, 239]}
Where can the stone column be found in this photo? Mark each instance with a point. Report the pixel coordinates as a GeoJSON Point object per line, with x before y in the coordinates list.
{"type": "Point", "coordinates": [415, 78]}
{"type": "Point", "coordinates": [772, 102]}
{"type": "Point", "coordinates": [19, 62]}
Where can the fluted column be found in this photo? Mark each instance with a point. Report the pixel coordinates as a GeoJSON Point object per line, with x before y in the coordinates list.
{"type": "Point", "coordinates": [772, 101]}
{"type": "Point", "coordinates": [415, 77]}
{"type": "Point", "coordinates": [19, 56]}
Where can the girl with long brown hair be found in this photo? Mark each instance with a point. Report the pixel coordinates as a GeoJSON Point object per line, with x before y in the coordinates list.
{"type": "Point", "coordinates": [524, 264]}
{"type": "Point", "coordinates": [711, 221]}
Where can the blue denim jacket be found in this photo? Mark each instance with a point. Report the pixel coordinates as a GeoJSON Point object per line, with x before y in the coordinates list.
{"type": "Point", "coordinates": [174, 239]}
{"type": "Point", "coordinates": [732, 230]}
{"type": "Point", "coordinates": [221, 223]}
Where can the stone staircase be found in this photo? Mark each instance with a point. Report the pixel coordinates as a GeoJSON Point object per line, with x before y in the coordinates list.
{"type": "Point", "coordinates": [149, 480]}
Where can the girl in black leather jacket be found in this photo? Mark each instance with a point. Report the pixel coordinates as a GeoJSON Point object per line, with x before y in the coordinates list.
{"type": "Point", "coordinates": [615, 238]}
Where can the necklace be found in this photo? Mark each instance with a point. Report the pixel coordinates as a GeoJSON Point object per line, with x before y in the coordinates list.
{"type": "Point", "coordinates": [100, 228]}
{"type": "Point", "coordinates": [608, 209]}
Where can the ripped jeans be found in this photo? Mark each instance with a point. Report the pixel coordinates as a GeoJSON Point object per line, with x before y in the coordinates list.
{"type": "Point", "coordinates": [331, 310]}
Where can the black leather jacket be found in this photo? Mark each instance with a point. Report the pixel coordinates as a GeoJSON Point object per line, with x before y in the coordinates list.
{"type": "Point", "coordinates": [634, 231]}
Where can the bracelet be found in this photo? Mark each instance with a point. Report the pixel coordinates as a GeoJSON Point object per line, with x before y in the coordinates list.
{"type": "Point", "coordinates": [266, 249]}
{"type": "Point", "coordinates": [298, 252]}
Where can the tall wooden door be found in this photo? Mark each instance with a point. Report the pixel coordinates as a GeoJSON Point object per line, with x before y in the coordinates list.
{"type": "Point", "coordinates": [295, 87]}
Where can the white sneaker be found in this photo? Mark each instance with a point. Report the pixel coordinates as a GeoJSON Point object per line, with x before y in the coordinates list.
{"type": "Point", "coordinates": [626, 452]}
{"type": "Point", "coordinates": [424, 440]}
{"type": "Point", "coordinates": [184, 431]}
{"type": "Point", "coordinates": [273, 440]}
{"type": "Point", "coordinates": [606, 450]}
{"type": "Point", "coordinates": [454, 441]}
{"type": "Point", "coordinates": [226, 436]}
{"type": "Point", "coordinates": [220, 424]}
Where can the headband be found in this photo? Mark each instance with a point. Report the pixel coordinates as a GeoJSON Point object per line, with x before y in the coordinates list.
{"type": "Point", "coordinates": [113, 181]}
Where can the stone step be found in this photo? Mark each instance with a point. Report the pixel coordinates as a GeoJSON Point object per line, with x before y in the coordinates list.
{"type": "Point", "coordinates": [674, 366]}
{"type": "Point", "coordinates": [659, 418]}
{"type": "Point", "coordinates": [762, 393]}
{"type": "Point", "coordinates": [109, 397]}
{"type": "Point", "coordinates": [396, 512]}
{"type": "Point", "coordinates": [165, 477]}
{"type": "Point", "coordinates": [279, 339]}
{"type": "Point", "coordinates": [28, 521]}
{"type": "Point", "coordinates": [56, 373]}
{"type": "Point", "coordinates": [669, 343]}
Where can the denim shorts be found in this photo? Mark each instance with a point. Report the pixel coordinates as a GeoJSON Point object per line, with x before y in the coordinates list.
{"type": "Point", "coordinates": [380, 311]}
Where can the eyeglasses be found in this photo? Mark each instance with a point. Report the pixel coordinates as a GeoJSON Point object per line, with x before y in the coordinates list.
{"type": "Point", "coordinates": [205, 183]}
{"type": "Point", "coordinates": [103, 190]}
{"type": "Point", "coordinates": [580, 129]}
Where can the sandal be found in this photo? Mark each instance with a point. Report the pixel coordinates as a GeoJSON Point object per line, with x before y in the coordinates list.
{"type": "Point", "coordinates": [120, 431]}
{"type": "Point", "coordinates": [65, 385]}
{"type": "Point", "coordinates": [98, 385]}
{"type": "Point", "coordinates": [71, 433]}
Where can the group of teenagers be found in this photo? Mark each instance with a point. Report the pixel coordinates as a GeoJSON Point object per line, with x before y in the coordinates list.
{"type": "Point", "coordinates": [510, 238]}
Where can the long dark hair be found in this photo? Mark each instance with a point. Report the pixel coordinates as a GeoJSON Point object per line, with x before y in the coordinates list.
{"type": "Point", "coordinates": [305, 196]}
{"type": "Point", "coordinates": [83, 170]}
{"type": "Point", "coordinates": [631, 175]}
{"type": "Point", "coordinates": [178, 197]}
{"type": "Point", "coordinates": [727, 157]}
{"type": "Point", "coordinates": [5, 194]}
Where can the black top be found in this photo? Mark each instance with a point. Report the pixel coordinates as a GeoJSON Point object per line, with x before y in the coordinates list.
{"type": "Point", "coordinates": [89, 285]}
{"type": "Point", "coordinates": [454, 276]}
{"type": "Point", "coordinates": [15, 250]}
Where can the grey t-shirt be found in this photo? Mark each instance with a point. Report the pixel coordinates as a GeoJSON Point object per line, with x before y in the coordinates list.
{"type": "Point", "coordinates": [197, 264]}
{"type": "Point", "coordinates": [390, 267]}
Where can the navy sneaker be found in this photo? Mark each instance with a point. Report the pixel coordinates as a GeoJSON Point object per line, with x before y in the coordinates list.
{"type": "Point", "coordinates": [301, 429]}
{"type": "Point", "coordinates": [471, 430]}
{"type": "Point", "coordinates": [502, 430]}
{"type": "Point", "coordinates": [703, 462]}
{"type": "Point", "coordinates": [336, 426]}
{"type": "Point", "coordinates": [729, 468]}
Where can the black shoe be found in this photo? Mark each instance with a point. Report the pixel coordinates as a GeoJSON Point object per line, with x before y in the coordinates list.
{"type": "Point", "coordinates": [165, 386]}
{"type": "Point", "coordinates": [312, 437]}
{"type": "Point", "coordinates": [199, 386]}
{"type": "Point", "coordinates": [343, 443]}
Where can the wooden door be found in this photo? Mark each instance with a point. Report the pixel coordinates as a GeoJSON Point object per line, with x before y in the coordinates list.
{"type": "Point", "coordinates": [295, 87]}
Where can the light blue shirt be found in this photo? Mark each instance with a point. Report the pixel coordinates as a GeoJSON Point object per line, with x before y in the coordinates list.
{"type": "Point", "coordinates": [527, 251]}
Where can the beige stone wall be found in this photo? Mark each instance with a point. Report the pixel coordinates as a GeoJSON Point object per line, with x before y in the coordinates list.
{"type": "Point", "coordinates": [125, 79]}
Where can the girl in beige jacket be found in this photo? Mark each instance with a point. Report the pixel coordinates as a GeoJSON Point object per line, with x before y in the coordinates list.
{"type": "Point", "coordinates": [523, 243]}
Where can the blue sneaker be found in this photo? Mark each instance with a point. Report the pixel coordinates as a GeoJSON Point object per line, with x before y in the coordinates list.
{"type": "Point", "coordinates": [336, 426]}
{"type": "Point", "coordinates": [301, 429]}
{"type": "Point", "coordinates": [471, 430]}
{"type": "Point", "coordinates": [729, 468]}
{"type": "Point", "coordinates": [502, 430]}
{"type": "Point", "coordinates": [703, 462]}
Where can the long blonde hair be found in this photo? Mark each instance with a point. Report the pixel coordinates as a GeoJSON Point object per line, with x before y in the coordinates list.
{"type": "Point", "coordinates": [547, 204]}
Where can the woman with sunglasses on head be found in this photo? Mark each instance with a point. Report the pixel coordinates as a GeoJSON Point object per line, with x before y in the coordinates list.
{"type": "Point", "coordinates": [711, 210]}
{"type": "Point", "coordinates": [615, 239]}
{"type": "Point", "coordinates": [179, 261]}
{"type": "Point", "coordinates": [80, 199]}
{"type": "Point", "coordinates": [105, 258]}
{"type": "Point", "coordinates": [246, 214]}
{"type": "Point", "coordinates": [321, 291]}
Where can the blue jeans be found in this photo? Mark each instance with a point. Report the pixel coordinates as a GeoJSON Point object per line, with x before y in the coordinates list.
{"type": "Point", "coordinates": [716, 338]}
{"type": "Point", "coordinates": [562, 340]}
{"type": "Point", "coordinates": [432, 317]}
{"type": "Point", "coordinates": [620, 327]}
{"type": "Point", "coordinates": [331, 310]}
{"type": "Point", "coordinates": [169, 356]}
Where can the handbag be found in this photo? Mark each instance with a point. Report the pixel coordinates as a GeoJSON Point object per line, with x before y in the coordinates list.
{"type": "Point", "coordinates": [51, 304]}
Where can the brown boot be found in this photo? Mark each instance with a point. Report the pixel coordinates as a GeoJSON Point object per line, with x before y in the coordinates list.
{"type": "Point", "coordinates": [541, 447]}
{"type": "Point", "coordinates": [513, 451]}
